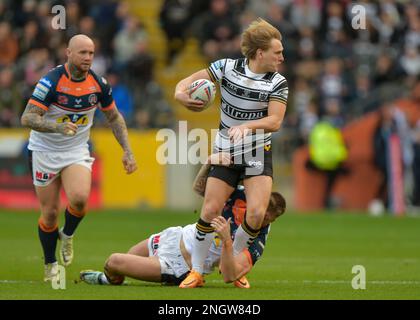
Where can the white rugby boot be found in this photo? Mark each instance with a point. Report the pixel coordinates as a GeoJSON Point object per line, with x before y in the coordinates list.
{"type": "Point", "coordinates": [66, 248]}
{"type": "Point", "coordinates": [51, 271]}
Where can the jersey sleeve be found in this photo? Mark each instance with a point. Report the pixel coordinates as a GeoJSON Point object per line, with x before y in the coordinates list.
{"type": "Point", "coordinates": [44, 93]}
{"type": "Point", "coordinates": [256, 249]}
{"type": "Point", "coordinates": [280, 91]}
{"type": "Point", "coordinates": [106, 100]}
{"type": "Point", "coordinates": [217, 70]}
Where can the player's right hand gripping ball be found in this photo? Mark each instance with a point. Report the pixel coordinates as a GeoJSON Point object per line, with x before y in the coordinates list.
{"type": "Point", "coordinates": [203, 90]}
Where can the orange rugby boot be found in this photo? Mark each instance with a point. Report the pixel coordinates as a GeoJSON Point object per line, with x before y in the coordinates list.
{"type": "Point", "coordinates": [242, 283]}
{"type": "Point", "coordinates": [193, 280]}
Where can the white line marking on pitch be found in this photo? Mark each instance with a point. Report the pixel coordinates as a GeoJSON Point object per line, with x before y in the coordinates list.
{"type": "Point", "coordinates": [383, 282]}
{"type": "Point", "coordinates": [379, 282]}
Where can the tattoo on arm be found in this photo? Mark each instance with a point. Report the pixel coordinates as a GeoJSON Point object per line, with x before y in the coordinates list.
{"type": "Point", "coordinates": [33, 117]}
{"type": "Point", "coordinates": [199, 185]}
{"type": "Point", "coordinates": [119, 128]}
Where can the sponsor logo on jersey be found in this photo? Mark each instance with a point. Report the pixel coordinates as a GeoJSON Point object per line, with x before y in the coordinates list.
{"type": "Point", "coordinates": [41, 91]}
{"type": "Point", "coordinates": [217, 65]}
{"type": "Point", "coordinates": [155, 244]}
{"type": "Point", "coordinates": [44, 176]}
{"type": "Point", "coordinates": [63, 89]}
{"type": "Point", "coordinates": [263, 96]}
{"type": "Point", "coordinates": [46, 82]}
{"type": "Point", "coordinates": [242, 114]}
{"type": "Point", "coordinates": [79, 119]}
{"type": "Point", "coordinates": [62, 99]}
{"type": "Point", "coordinates": [254, 164]}
{"type": "Point", "coordinates": [78, 103]}
{"type": "Point", "coordinates": [93, 99]}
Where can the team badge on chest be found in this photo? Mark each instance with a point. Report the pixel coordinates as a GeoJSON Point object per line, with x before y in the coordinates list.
{"type": "Point", "coordinates": [93, 99]}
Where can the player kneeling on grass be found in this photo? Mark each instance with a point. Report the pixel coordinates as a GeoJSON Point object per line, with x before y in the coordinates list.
{"type": "Point", "coordinates": [166, 256]}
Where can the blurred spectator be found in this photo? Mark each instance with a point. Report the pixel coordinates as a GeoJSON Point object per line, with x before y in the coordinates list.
{"type": "Point", "coordinates": [101, 63]}
{"type": "Point", "coordinates": [306, 13]}
{"type": "Point", "coordinates": [412, 34]}
{"type": "Point", "coordinates": [333, 84]}
{"type": "Point", "coordinates": [307, 121]}
{"type": "Point", "coordinates": [153, 111]}
{"type": "Point", "coordinates": [333, 113]}
{"type": "Point", "coordinates": [127, 41]}
{"type": "Point", "coordinates": [218, 29]}
{"type": "Point", "coordinates": [38, 63]}
{"type": "Point", "coordinates": [387, 24]}
{"type": "Point", "coordinates": [122, 96]}
{"type": "Point", "coordinates": [175, 18]}
{"type": "Point", "coordinates": [276, 16]}
{"type": "Point", "coordinates": [123, 99]}
{"type": "Point", "coordinates": [140, 67]}
{"type": "Point", "coordinates": [380, 140]}
{"type": "Point", "coordinates": [31, 37]}
{"type": "Point", "coordinates": [385, 70]}
{"type": "Point", "coordinates": [327, 155]}
{"type": "Point", "coordinates": [87, 26]}
{"type": "Point", "coordinates": [415, 198]}
{"type": "Point", "coordinates": [361, 100]}
{"type": "Point", "coordinates": [73, 15]}
{"type": "Point", "coordinates": [10, 99]}
{"type": "Point", "coordinates": [335, 29]}
{"type": "Point", "coordinates": [306, 46]}
{"type": "Point", "coordinates": [110, 15]}
{"type": "Point", "coordinates": [410, 61]}
{"type": "Point", "coordinates": [392, 122]}
{"type": "Point", "coordinates": [8, 44]}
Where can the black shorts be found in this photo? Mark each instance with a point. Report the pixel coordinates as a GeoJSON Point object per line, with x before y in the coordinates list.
{"type": "Point", "coordinates": [233, 174]}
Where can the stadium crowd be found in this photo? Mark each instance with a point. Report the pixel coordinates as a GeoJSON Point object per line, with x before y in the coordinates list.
{"type": "Point", "coordinates": [335, 72]}
{"type": "Point", "coordinates": [30, 47]}
{"type": "Point", "coordinates": [333, 69]}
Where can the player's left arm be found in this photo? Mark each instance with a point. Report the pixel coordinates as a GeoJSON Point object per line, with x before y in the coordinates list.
{"type": "Point", "coordinates": [232, 267]}
{"type": "Point", "coordinates": [119, 129]}
{"type": "Point", "coordinates": [271, 123]}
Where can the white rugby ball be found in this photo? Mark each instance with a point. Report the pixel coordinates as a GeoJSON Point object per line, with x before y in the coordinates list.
{"type": "Point", "coordinates": [203, 90]}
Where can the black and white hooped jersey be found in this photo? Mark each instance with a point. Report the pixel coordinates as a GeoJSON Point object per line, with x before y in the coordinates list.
{"type": "Point", "coordinates": [244, 97]}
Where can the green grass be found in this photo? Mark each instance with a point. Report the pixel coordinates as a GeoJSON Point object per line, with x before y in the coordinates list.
{"type": "Point", "coordinates": [306, 257]}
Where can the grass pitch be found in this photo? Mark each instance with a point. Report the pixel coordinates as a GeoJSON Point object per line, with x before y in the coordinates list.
{"type": "Point", "coordinates": [306, 257]}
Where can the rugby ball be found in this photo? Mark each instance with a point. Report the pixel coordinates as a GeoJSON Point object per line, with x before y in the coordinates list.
{"type": "Point", "coordinates": [203, 90]}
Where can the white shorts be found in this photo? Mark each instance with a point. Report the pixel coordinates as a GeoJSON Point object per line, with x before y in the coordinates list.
{"type": "Point", "coordinates": [46, 165]}
{"type": "Point", "coordinates": [166, 246]}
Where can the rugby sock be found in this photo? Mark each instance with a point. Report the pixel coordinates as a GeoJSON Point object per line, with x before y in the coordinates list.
{"type": "Point", "coordinates": [72, 220]}
{"type": "Point", "coordinates": [203, 238]}
{"type": "Point", "coordinates": [244, 237]}
{"type": "Point", "coordinates": [48, 237]}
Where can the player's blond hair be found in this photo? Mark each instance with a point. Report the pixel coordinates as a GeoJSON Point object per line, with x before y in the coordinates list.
{"type": "Point", "coordinates": [258, 36]}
